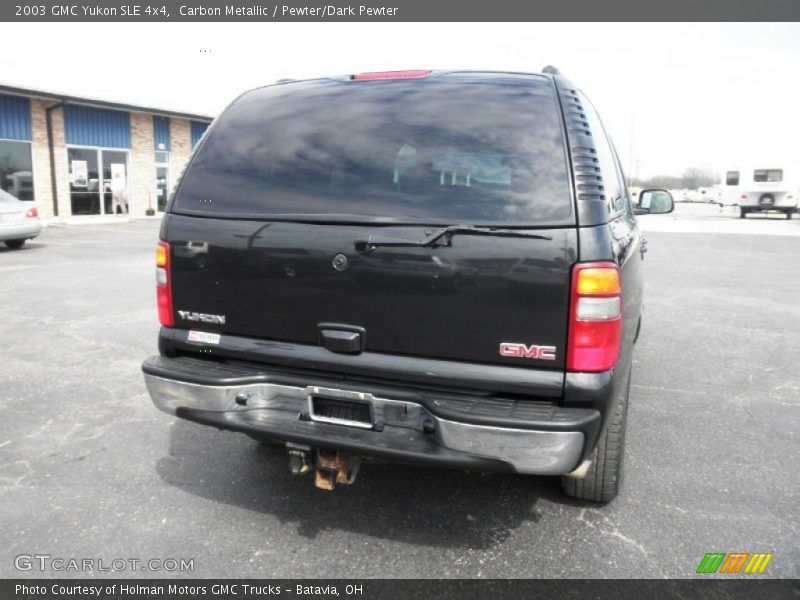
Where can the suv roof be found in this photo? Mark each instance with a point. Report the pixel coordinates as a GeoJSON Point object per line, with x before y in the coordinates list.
{"type": "Point", "coordinates": [548, 71]}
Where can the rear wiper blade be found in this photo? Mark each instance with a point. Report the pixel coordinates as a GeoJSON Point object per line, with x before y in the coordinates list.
{"type": "Point", "coordinates": [373, 241]}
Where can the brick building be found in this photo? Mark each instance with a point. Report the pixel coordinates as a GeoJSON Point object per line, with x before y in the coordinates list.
{"type": "Point", "coordinates": [81, 157]}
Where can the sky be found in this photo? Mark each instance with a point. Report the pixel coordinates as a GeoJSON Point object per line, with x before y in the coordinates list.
{"type": "Point", "coordinates": [672, 95]}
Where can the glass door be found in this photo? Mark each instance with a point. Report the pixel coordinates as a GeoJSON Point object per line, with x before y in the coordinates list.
{"type": "Point", "coordinates": [162, 179]}
{"type": "Point", "coordinates": [98, 181]}
{"type": "Point", "coordinates": [162, 185]}
{"type": "Point", "coordinates": [115, 182]}
{"type": "Point", "coordinates": [84, 181]}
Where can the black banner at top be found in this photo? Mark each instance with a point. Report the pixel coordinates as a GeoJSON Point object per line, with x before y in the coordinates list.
{"type": "Point", "coordinates": [397, 10]}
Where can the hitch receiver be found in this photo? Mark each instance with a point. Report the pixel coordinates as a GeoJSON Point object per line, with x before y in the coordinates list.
{"type": "Point", "coordinates": [299, 458]}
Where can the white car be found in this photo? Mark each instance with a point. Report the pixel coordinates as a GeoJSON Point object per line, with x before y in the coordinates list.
{"type": "Point", "coordinates": [19, 221]}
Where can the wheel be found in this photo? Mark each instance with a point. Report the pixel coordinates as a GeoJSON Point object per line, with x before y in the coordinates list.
{"type": "Point", "coordinates": [742, 213]}
{"type": "Point", "coordinates": [15, 244]}
{"type": "Point", "coordinates": [789, 214]}
{"type": "Point", "coordinates": [603, 480]}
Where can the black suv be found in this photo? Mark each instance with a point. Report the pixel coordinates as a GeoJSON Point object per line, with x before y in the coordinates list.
{"type": "Point", "coordinates": [441, 268]}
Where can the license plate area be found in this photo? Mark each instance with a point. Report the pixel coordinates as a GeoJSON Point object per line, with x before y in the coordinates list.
{"type": "Point", "coordinates": [354, 409]}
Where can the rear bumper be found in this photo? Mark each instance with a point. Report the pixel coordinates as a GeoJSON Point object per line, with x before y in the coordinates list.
{"type": "Point", "coordinates": [776, 208]}
{"type": "Point", "coordinates": [438, 428]}
{"type": "Point", "coordinates": [24, 230]}
{"type": "Point", "coordinates": [780, 201]}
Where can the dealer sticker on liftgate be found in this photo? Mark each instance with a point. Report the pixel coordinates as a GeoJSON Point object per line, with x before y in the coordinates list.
{"type": "Point", "coordinates": [203, 337]}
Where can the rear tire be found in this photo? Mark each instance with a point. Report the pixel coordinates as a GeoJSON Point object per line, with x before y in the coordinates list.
{"type": "Point", "coordinates": [15, 244]}
{"type": "Point", "coordinates": [603, 480]}
{"type": "Point", "coordinates": [742, 213]}
{"type": "Point", "coordinates": [789, 214]}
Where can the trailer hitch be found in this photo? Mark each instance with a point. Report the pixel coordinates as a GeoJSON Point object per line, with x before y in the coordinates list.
{"type": "Point", "coordinates": [334, 467]}
{"type": "Point", "coordinates": [299, 458]}
{"type": "Point", "coordinates": [330, 466]}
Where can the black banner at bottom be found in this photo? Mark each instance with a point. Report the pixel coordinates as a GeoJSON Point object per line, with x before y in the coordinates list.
{"type": "Point", "coordinates": [368, 589]}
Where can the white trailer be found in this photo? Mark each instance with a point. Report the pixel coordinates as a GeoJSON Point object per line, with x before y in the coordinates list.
{"type": "Point", "coordinates": [762, 189]}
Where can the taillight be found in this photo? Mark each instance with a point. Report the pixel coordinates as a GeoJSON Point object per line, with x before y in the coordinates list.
{"type": "Point", "coordinates": [744, 196]}
{"type": "Point", "coordinates": [32, 213]}
{"type": "Point", "coordinates": [595, 321]}
{"type": "Point", "coordinates": [164, 285]}
{"type": "Point", "coordinates": [390, 75]}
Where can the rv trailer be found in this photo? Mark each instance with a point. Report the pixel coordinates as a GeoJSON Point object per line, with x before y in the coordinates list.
{"type": "Point", "coordinates": [764, 188]}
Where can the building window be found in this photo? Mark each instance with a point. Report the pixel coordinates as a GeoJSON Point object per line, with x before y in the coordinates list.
{"type": "Point", "coordinates": [16, 169]}
{"type": "Point", "coordinates": [732, 178]}
{"type": "Point", "coordinates": [161, 133]}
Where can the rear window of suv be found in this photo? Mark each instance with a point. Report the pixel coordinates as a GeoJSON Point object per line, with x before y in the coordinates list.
{"type": "Point", "coordinates": [456, 148]}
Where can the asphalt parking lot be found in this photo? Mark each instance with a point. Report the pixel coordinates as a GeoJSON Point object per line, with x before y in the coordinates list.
{"type": "Point", "coordinates": [90, 469]}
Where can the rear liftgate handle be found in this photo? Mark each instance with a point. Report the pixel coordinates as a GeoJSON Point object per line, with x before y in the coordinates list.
{"type": "Point", "coordinates": [337, 337]}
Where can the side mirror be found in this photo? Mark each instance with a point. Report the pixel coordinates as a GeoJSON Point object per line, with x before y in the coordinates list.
{"type": "Point", "coordinates": [654, 202]}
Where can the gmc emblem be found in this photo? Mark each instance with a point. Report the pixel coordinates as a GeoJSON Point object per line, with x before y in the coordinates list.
{"type": "Point", "coordinates": [523, 351]}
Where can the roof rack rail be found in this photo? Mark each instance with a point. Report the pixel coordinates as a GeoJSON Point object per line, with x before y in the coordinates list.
{"type": "Point", "coordinates": [551, 70]}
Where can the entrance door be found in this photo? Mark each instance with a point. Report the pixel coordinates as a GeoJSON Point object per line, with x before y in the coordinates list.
{"type": "Point", "coordinates": [162, 186]}
{"type": "Point", "coordinates": [84, 181]}
{"type": "Point", "coordinates": [115, 182]}
{"type": "Point", "coordinates": [98, 181]}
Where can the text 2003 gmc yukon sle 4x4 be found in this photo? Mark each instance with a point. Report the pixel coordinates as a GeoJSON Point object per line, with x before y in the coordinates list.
{"type": "Point", "coordinates": [440, 268]}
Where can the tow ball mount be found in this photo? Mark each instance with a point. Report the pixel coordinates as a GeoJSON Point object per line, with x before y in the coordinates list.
{"type": "Point", "coordinates": [334, 467]}
{"type": "Point", "coordinates": [330, 466]}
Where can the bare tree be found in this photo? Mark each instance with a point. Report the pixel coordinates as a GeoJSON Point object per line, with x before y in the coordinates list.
{"type": "Point", "coordinates": [692, 178]}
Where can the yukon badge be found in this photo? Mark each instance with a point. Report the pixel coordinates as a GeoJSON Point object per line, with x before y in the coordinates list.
{"type": "Point", "coordinates": [201, 317]}
{"type": "Point", "coordinates": [524, 351]}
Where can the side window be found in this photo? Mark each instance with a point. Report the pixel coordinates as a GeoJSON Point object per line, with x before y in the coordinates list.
{"type": "Point", "coordinates": [628, 200]}
{"type": "Point", "coordinates": [615, 191]}
{"type": "Point", "coordinates": [768, 175]}
{"type": "Point", "coordinates": [732, 178]}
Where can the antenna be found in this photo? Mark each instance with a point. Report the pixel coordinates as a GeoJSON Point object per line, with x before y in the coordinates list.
{"type": "Point", "coordinates": [551, 70]}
